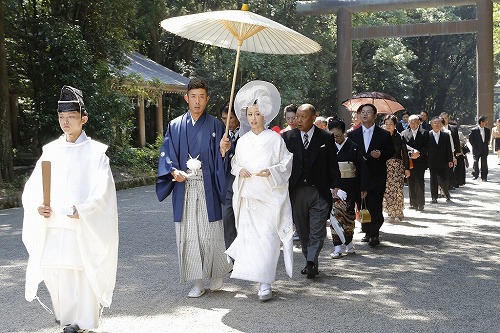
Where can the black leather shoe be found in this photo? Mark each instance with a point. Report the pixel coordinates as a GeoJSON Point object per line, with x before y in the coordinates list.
{"type": "Point", "coordinates": [434, 201]}
{"type": "Point", "coordinates": [365, 239]}
{"type": "Point", "coordinates": [420, 208]}
{"type": "Point", "coordinates": [484, 180]}
{"type": "Point", "coordinates": [374, 241]}
{"type": "Point", "coordinates": [474, 177]}
{"type": "Point", "coordinates": [304, 271]}
{"type": "Point", "coordinates": [311, 270]}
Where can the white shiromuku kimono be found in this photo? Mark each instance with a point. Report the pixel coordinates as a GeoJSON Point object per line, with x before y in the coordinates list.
{"type": "Point", "coordinates": [262, 209]}
{"type": "Point", "coordinates": [77, 258]}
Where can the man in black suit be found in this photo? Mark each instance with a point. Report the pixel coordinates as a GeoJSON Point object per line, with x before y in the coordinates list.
{"type": "Point", "coordinates": [424, 115]}
{"type": "Point", "coordinates": [440, 158]}
{"type": "Point", "coordinates": [314, 179]}
{"type": "Point", "coordinates": [416, 140]}
{"type": "Point", "coordinates": [479, 139]}
{"type": "Point", "coordinates": [377, 147]}
{"type": "Point", "coordinates": [227, 211]}
{"type": "Point", "coordinates": [403, 123]}
{"type": "Point", "coordinates": [455, 146]}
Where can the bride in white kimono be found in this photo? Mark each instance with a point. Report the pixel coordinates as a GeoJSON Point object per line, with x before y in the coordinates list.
{"type": "Point", "coordinates": [262, 165]}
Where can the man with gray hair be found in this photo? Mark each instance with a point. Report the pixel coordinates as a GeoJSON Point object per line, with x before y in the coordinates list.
{"type": "Point", "coordinates": [416, 140]}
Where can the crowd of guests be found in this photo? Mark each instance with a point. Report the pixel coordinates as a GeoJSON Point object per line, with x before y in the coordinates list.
{"type": "Point", "coordinates": [321, 169]}
{"type": "Point", "coordinates": [239, 191]}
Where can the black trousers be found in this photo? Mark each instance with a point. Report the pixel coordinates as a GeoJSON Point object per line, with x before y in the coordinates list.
{"type": "Point", "coordinates": [374, 200]}
{"type": "Point", "coordinates": [416, 187]}
{"type": "Point", "coordinates": [228, 220]}
{"type": "Point", "coordinates": [483, 159]}
{"type": "Point", "coordinates": [439, 177]}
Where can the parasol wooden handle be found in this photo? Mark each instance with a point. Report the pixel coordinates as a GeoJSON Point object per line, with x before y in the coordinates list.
{"type": "Point", "coordinates": [46, 175]}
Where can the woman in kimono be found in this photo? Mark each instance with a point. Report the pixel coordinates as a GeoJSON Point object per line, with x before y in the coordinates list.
{"type": "Point", "coordinates": [397, 169]}
{"type": "Point", "coordinates": [261, 166]}
{"type": "Point", "coordinates": [351, 164]}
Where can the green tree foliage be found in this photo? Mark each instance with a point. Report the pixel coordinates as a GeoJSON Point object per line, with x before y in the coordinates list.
{"type": "Point", "coordinates": [58, 43]}
{"type": "Point", "coordinates": [434, 73]}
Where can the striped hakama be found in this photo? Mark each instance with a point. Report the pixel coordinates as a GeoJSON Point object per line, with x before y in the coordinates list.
{"type": "Point", "coordinates": [200, 243]}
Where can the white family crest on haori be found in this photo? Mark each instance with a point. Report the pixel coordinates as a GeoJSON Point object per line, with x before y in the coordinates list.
{"type": "Point", "coordinates": [193, 164]}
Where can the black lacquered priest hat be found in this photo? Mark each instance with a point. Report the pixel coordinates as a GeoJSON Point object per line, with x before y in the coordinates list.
{"type": "Point", "coordinates": [71, 99]}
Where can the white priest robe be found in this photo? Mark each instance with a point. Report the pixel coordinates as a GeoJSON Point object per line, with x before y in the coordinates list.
{"type": "Point", "coordinates": [263, 214]}
{"type": "Point", "coordinates": [86, 247]}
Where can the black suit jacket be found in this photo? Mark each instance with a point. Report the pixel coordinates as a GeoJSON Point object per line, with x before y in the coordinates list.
{"type": "Point", "coordinates": [455, 138]}
{"type": "Point", "coordinates": [439, 153]}
{"type": "Point", "coordinates": [323, 166]}
{"type": "Point", "coordinates": [479, 147]}
{"type": "Point", "coordinates": [420, 143]}
{"type": "Point", "coordinates": [377, 168]}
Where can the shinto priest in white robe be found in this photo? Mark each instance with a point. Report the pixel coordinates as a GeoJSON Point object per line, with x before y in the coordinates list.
{"type": "Point", "coordinates": [262, 209]}
{"type": "Point", "coordinates": [84, 248]}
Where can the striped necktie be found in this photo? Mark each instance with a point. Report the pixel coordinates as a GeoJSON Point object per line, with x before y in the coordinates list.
{"type": "Point", "coordinates": [306, 140]}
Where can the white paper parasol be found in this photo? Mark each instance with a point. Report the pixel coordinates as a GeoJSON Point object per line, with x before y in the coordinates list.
{"type": "Point", "coordinates": [240, 30]}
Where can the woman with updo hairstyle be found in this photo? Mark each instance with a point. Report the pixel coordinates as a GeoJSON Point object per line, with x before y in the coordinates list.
{"type": "Point", "coordinates": [263, 214]}
{"type": "Point", "coordinates": [397, 169]}
{"type": "Point", "coordinates": [351, 167]}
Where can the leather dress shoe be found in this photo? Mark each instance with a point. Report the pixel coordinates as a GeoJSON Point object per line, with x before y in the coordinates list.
{"type": "Point", "coordinates": [374, 241]}
{"type": "Point", "coordinates": [434, 201]}
{"type": "Point", "coordinates": [304, 270]}
{"type": "Point", "coordinates": [365, 238]}
{"type": "Point", "coordinates": [420, 208]}
{"type": "Point", "coordinates": [311, 270]}
{"type": "Point", "coordinates": [474, 177]}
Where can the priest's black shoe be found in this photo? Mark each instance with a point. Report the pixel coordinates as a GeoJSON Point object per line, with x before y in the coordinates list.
{"type": "Point", "coordinates": [374, 241]}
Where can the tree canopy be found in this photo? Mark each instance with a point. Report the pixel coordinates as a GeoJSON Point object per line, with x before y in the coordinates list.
{"type": "Point", "coordinates": [49, 44]}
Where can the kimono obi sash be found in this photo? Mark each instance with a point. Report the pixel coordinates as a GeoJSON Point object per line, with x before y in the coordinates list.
{"type": "Point", "coordinates": [347, 169]}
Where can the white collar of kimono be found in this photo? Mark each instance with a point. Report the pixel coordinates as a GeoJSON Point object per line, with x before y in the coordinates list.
{"type": "Point", "coordinates": [83, 138]}
{"type": "Point", "coordinates": [339, 146]}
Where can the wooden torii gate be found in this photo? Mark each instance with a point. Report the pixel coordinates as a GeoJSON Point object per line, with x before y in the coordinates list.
{"type": "Point", "coordinates": [482, 26]}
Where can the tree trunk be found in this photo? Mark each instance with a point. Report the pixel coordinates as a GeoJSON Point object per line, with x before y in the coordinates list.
{"type": "Point", "coordinates": [7, 164]}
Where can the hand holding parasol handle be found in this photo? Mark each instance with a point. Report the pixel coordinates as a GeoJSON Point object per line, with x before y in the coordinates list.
{"type": "Point", "coordinates": [46, 176]}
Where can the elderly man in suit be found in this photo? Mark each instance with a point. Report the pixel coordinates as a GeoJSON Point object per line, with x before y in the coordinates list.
{"type": "Point", "coordinates": [479, 139]}
{"type": "Point", "coordinates": [440, 158]}
{"type": "Point", "coordinates": [416, 140]}
{"type": "Point", "coordinates": [314, 179]}
{"type": "Point", "coordinates": [377, 147]}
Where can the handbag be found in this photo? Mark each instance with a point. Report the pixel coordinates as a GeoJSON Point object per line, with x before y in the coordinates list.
{"type": "Point", "coordinates": [364, 213]}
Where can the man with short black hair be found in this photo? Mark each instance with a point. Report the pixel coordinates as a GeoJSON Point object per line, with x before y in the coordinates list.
{"type": "Point", "coordinates": [377, 147]}
{"type": "Point", "coordinates": [191, 167]}
{"type": "Point", "coordinates": [227, 211]}
{"type": "Point", "coordinates": [479, 139]}
{"type": "Point", "coordinates": [72, 242]}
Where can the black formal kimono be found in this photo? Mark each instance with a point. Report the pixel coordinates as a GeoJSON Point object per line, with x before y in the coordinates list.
{"type": "Point", "coordinates": [352, 183]}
